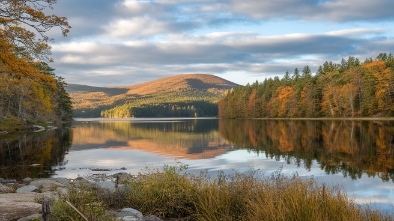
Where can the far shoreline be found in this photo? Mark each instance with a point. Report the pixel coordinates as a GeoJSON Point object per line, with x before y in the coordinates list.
{"type": "Point", "coordinates": [212, 118]}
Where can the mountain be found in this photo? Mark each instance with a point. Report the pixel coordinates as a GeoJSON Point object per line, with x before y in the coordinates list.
{"type": "Point", "coordinates": [184, 95]}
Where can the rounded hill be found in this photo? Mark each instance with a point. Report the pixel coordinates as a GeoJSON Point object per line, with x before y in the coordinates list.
{"type": "Point", "coordinates": [181, 83]}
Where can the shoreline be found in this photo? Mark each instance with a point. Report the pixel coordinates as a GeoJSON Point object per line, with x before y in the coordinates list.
{"type": "Point", "coordinates": [173, 195]}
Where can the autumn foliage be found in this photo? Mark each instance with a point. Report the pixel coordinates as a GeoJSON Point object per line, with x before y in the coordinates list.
{"type": "Point", "coordinates": [29, 89]}
{"type": "Point", "coordinates": [348, 89]}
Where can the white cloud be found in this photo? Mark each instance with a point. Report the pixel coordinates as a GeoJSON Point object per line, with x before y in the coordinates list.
{"type": "Point", "coordinates": [75, 47]}
{"type": "Point", "coordinates": [354, 31]}
{"type": "Point", "coordinates": [143, 40]}
{"type": "Point", "coordinates": [136, 27]}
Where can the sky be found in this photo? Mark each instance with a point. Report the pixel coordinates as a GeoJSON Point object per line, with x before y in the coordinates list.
{"type": "Point", "coordinates": [127, 42]}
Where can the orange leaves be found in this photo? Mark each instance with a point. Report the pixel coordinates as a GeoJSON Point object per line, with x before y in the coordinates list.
{"type": "Point", "coordinates": [288, 101]}
{"type": "Point", "coordinates": [350, 90]}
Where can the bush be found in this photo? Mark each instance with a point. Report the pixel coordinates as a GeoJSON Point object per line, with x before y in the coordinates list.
{"type": "Point", "coordinates": [84, 197]}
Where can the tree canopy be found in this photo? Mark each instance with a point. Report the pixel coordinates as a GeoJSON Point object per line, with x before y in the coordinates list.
{"type": "Point", "coordinates": [23, 23]}
{"type": "Point", "coordinates": [349, 89]}
{"type": "Point", "coordinates": [29, 89]}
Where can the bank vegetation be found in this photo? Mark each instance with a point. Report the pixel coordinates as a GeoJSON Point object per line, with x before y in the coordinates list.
{"type": "Point", "coordinates": [30, 92]}
{"type": "Point", "coordinates": [173, 194]}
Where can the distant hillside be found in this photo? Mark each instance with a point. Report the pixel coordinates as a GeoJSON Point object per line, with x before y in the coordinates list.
{"type": "Point", "coordinates": [179, 96]}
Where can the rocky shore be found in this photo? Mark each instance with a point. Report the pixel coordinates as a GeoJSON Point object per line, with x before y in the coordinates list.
{"type": "Point", "coordinates": [23, 200]}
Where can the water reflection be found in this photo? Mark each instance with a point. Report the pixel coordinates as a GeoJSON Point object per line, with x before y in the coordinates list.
{"type": "Point", "coordinates": [189, 139]}
{"type": "Point", "coordinates": [34, 154]}
{"type": "Point", "coordinates": [348, 148]}
{"type": "Point", "coordinates": [351, 148]}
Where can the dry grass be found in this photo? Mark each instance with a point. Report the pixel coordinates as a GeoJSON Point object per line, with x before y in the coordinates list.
{"type": "Point", "coordinates": [175, 195]}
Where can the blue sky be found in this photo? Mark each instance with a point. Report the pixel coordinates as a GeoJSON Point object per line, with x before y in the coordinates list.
{"type": "Point", "coordinates": [126, 42]}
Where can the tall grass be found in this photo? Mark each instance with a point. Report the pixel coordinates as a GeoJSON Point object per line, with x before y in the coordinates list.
{"type": "Point", "coordinates": [174, 194]}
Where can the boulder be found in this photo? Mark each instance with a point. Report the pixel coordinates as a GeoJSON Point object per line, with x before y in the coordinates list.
{"type": "Point", "coordinates": [129, 214]}
{"type": "Point", "coordinates": [27, 189]}
{"type": "Point", "coordinates": [124, 189]}
{"type": "Point", "coordinates": [109, 185]}
{"type": "Point", "coordinates": [62, 180]}
{"type": "Point", "coordinates": [46, 185]}
{"type": "Point", "coordinates": [27, 180]}
{"type": "Point", "coordinates": [14, 206]}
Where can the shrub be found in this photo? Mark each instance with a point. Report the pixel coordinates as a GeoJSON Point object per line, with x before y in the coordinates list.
{"type": "Point", "coordinates": [172, 193]}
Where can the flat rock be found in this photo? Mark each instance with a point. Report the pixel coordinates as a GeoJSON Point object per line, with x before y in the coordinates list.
{"type": "Point", "coordinates": [14, 206]}
{"type": "Point", "coordinates": [109, 185]}
{"type": "Point", "coordinates": [27, 189]}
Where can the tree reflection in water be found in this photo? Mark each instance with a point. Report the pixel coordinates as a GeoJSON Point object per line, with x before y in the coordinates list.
{"type": "Point", "coordinates": [350, 147]}
{"type": "Point", "coordinates": [33, 154]}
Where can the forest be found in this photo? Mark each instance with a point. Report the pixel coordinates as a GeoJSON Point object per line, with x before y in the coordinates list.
{"type": "Point", "coordinates": [349, 89]}
{"type": "Point", "coordinates": [168, 105]}
{"type": "Point", "coordinates": [184, 95]}
{"type": "Point", "coordinates": [30, 92]}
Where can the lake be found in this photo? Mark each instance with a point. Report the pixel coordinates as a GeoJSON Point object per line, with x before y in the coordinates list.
{"type": "Point", "coordinates": [357, 155]}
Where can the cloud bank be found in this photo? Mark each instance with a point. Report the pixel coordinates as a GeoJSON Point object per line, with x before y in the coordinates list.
{"type": "Point", "coordinates": [127, 42]}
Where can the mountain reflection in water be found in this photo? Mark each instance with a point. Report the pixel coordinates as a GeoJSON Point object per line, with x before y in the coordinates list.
{"type": "Point", "coordinates": [190, 139]}
{"type": "Point", "coordinates": [355, 154]}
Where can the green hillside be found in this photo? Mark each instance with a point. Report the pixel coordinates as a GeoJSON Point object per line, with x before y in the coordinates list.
{"type": "Point", "coordinates": [187, 95]}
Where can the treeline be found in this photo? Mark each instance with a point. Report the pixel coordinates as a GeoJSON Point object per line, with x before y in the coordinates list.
{"type": "Point", "coordinates": [349, 89]}
{"type": "Point", "coordinates": [172, 109]}
{"type": "Point", "coordinates": [38, 96]}
{"type": "Point", "coordinates": [29, 89]}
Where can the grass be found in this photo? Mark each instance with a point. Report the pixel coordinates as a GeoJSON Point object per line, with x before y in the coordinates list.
{"type": "Point", "coordinates": [173, 194]}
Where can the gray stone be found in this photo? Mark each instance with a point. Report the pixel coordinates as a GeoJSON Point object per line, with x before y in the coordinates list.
{"type": "Point", "coordinates": [129, 214]}
{"type": "Point", "coordinates": [7, 181]}
{"type": "Point", "coordinates": [124, 189]}
{"type": "Point", "coordinates": [27, 180]}
{"type": "Point", "coordinates": [84, 180]}
{"type": "Point", "coordinates": [46, 185]}
{"type": "Point", "coordinates": [152, 218]}
{"type": "Point", "coordinates": [62, 180]}
{"type": "Point", "coordinates": [109, 185]}
{"type": "Point", "coordinates": [27, 189]}
{"type": "Point", "coordinates": [29, 218]}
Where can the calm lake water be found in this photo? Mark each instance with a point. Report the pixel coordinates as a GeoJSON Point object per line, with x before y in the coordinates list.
{"type": "Point", "coordinates": [356, 155]}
